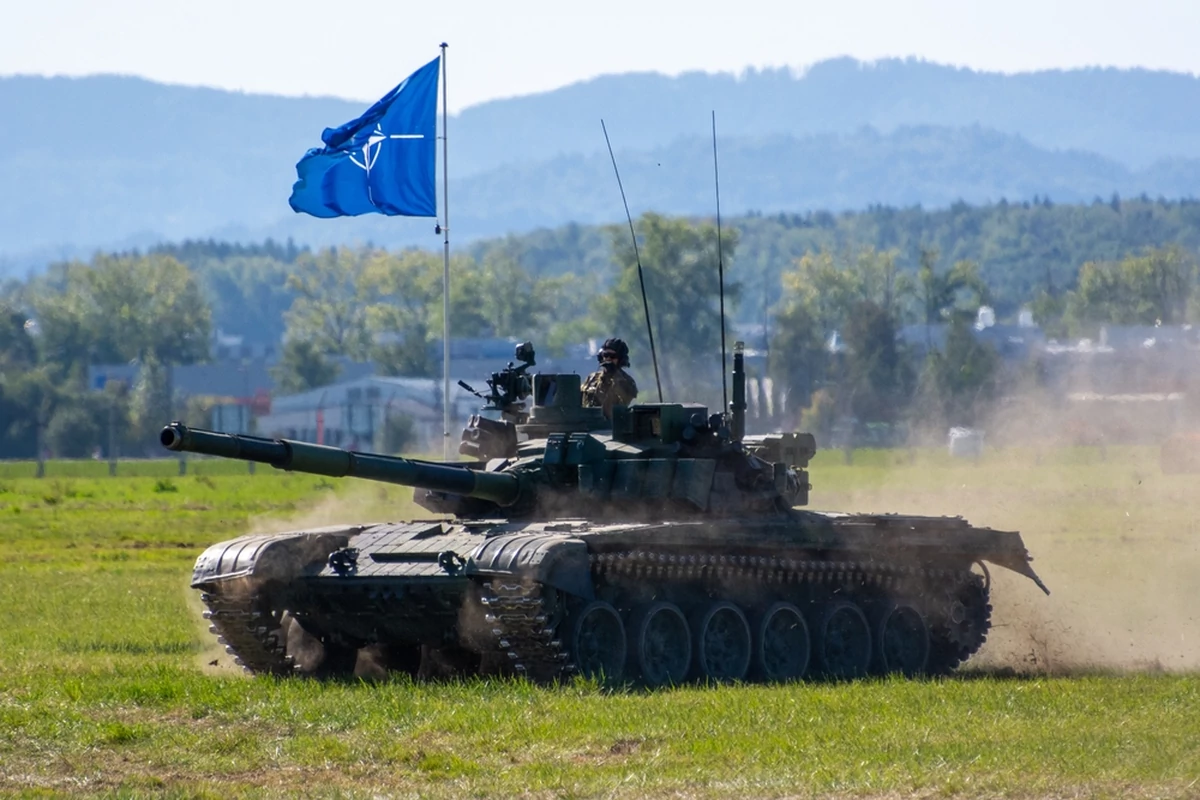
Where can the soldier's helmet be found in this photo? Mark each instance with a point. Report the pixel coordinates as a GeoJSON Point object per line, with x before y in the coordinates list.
{"type": "Point", "coordinates": [617, 347]}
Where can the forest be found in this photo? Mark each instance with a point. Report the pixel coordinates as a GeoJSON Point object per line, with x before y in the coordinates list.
{"type": "Point", "coordinates": [801, 278]}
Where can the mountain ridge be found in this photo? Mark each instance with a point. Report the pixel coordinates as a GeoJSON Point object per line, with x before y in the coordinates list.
{"type": "Point", "coordinates": [113, 159]}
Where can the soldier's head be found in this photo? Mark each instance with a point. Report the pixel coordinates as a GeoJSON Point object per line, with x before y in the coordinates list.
{"type": "Point", "coordinates": [614, 353]}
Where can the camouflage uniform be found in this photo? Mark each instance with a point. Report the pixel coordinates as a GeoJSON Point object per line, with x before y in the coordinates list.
{"type": "Point", "coordinates": [609, 386]}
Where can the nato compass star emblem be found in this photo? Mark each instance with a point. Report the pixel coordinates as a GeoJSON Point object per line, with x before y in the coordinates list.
{"type": "Point", "coordinates": [370, 150]}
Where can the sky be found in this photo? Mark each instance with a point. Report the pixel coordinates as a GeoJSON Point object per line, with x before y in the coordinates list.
{"type": "Point", "coordinates": [498, 49]}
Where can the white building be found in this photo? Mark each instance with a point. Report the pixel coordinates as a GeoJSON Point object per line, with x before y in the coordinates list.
{"type": "Point", "coordinates": [351, 414]}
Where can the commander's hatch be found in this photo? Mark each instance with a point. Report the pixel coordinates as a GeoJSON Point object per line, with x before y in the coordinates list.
{"type": "Point", "coordinates": [558, 407]}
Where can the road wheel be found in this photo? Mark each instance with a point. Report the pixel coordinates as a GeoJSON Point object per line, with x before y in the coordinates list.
{"type": "Point", "coordinates": [723, 643]}
{"type": "Point", "coordinates": [843, 641]}
{"type": "Point", "coordinates": [660, 645]}
{"type": "Point", "coordinates": [598, 642]}
{"type": "Point", "coordinates": [783, 648]}
{"type": "Point", "coordinates": [901, 640]}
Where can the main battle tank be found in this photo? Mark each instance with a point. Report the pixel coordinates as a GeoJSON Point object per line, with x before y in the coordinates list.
{"type": "Point", "coordinates": [661, 547]}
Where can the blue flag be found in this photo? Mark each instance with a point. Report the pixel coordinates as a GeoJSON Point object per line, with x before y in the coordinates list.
{"type": "Point", "coordinates": [384, 162]}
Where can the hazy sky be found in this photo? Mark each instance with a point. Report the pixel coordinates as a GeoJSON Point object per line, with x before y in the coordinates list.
{"type": "Point", "coordinates": [361, 49]}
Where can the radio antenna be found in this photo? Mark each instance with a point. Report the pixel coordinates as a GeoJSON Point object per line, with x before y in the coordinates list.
{"type": "Point", "coordinates": [636, 257]}
{"type": "Point", "coordinates": [720, 266]}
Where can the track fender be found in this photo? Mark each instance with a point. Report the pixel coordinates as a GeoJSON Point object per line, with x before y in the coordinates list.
{"type": "Point", "coordinates": [270, 556]}
{"type": "Point", "coordinates": [1018, 563]}
{"type": "Point", "coordinates": [555, 560]}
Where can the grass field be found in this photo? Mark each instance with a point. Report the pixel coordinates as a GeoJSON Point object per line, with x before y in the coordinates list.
{"type": "Point", "coordinates": [110, 683]}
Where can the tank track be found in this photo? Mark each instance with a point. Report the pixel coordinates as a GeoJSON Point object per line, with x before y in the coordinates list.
{"type": "Point", "coordinates": [523, 616]}
{"type": "Point", "coordinates": [959, 597]}
{"type": "Point", "coordinates": [526, 619]}
{"type": "Point", "coordinates": [252, 636]}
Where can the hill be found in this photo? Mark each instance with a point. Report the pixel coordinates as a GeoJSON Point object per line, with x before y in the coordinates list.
{"type": "Point", "coordinates": [118, 162]}
{"type": "Point", "coordinates": [1135, 116]}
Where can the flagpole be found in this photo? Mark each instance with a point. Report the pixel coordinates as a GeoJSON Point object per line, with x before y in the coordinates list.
{"type": "Point", "coordinates": [445, 270]}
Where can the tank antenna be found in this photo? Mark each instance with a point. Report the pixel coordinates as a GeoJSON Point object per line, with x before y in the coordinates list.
{"type": "Point", "coordinates": [720, 265]}
{"type": "Point", "coordinates": [638, 259]}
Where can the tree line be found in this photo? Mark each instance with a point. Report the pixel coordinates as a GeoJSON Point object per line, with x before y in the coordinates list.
{"type": "Point", "coordinates": [832, 313]}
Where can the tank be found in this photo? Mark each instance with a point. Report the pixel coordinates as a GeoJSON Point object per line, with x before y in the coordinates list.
{"type": "Point", "coordinates": [659, 547]}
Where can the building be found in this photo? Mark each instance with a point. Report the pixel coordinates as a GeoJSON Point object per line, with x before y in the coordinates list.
{"type": "Point", "coordinates": [352, 414]}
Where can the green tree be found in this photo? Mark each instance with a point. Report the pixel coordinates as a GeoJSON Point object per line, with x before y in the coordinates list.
{"type": "Point", "coordinates": [956, 292]}
{"type": "Point", "coordinates": [388, 307]}
{"type": "Point", "coordinates": [831, 287]}
{"type": "Point", "coordinates": [75, 431]}
{"type": "Point", "coordinates": [512, 302]}
{"type": "Point", "coordinates": [22, 386]}
{"type": "Point", "coordinates": [144, 309]}
{"type": "Point", "coordinates": [958, 385]}
{"type": "Point", "coordinates": [118, 309]}
{"type": "Point", "coordinates": [405, 315]}
{"type": "Point", "coordinates": [37, 394]}
{"type": "Point", "coordinates": [398, 433]}
{"type": "Point", "coordinates": [18, 350]}
{"type": "Point", "coordinates": [302, 367]}
{"type": "Point", "coordinates": [18, 435]}
{"type": "Point", "coordinates": [679, 260]}
{"type": "Point", "coordinates": [151, 402]}
{"type": "Point", "coordinates": [875, 376]}
{"type": "Point", "coordinates": [332, 301]}
{"type": "Point", "coordinates": [1156, 286]}
{"type": "Point", "coordinates": [334, 314]}
{"type": "Point", "coordinates": [249, 294]}
{"type": "Point", "coordinates": [799, 358]}
{"type": "Point", "coordinates": [825, 294]}
{"type": "Point", "coordinates": [1049, 308]}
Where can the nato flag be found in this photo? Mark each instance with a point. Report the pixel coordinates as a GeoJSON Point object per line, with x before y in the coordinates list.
{"type": "Point", "coordinates": [384, 162]}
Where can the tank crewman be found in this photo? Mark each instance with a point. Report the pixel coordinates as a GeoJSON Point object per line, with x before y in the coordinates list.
{"type": "Point", "coordinates": [610, 385]}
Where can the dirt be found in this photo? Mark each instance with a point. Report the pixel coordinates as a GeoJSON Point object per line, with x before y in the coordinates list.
{"type": "Point", "coordinates": [1117, 543]}
{"type": "Point", "coordinates": [1120, 605]}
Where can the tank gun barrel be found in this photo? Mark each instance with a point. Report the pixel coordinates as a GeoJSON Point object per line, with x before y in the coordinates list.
{"type": "Point", "coordinates": [497, 487]}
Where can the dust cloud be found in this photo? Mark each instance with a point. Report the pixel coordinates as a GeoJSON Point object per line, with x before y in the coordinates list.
{"type": "Point", "coordinates": [1115, 539]}
{"type": "Point", "coordinates": [352, 502]}
{"type": "Point", "coordinates": [1103, 616]}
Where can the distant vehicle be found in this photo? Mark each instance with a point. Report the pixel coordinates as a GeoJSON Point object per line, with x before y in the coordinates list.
{"type": "Point", "coordinates": [965, 443]}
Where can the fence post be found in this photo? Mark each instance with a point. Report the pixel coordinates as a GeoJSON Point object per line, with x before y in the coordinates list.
{"type": "Point", "coordinates": [41, 454]}
{"type": "Point", "coordinates": [112, 440]}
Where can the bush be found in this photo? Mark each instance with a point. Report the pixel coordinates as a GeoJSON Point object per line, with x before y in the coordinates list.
{"type": "Point", "coordinates": [75, 432]}
{"type": "Point", "coordinates": [820, 416]}
{"type": "Point", "coordinates": [398, 433]}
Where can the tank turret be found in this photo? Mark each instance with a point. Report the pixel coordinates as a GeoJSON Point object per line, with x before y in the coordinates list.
{"type": "Point", "coordinates": [547, 452]}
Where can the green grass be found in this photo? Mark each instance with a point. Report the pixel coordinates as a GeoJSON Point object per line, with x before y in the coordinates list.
{"type": "Point", "coordinates": [126, 468]}
{"type": "Point", "coordinates": [108, 686]}
{"type": "Point", "coordinates": [170, 517]}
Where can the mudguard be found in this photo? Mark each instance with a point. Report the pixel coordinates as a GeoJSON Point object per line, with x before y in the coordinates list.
{"type": "Point", "coordinates": [552, 559]}
{"type": "Point", "coordinates": [270, 556]}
